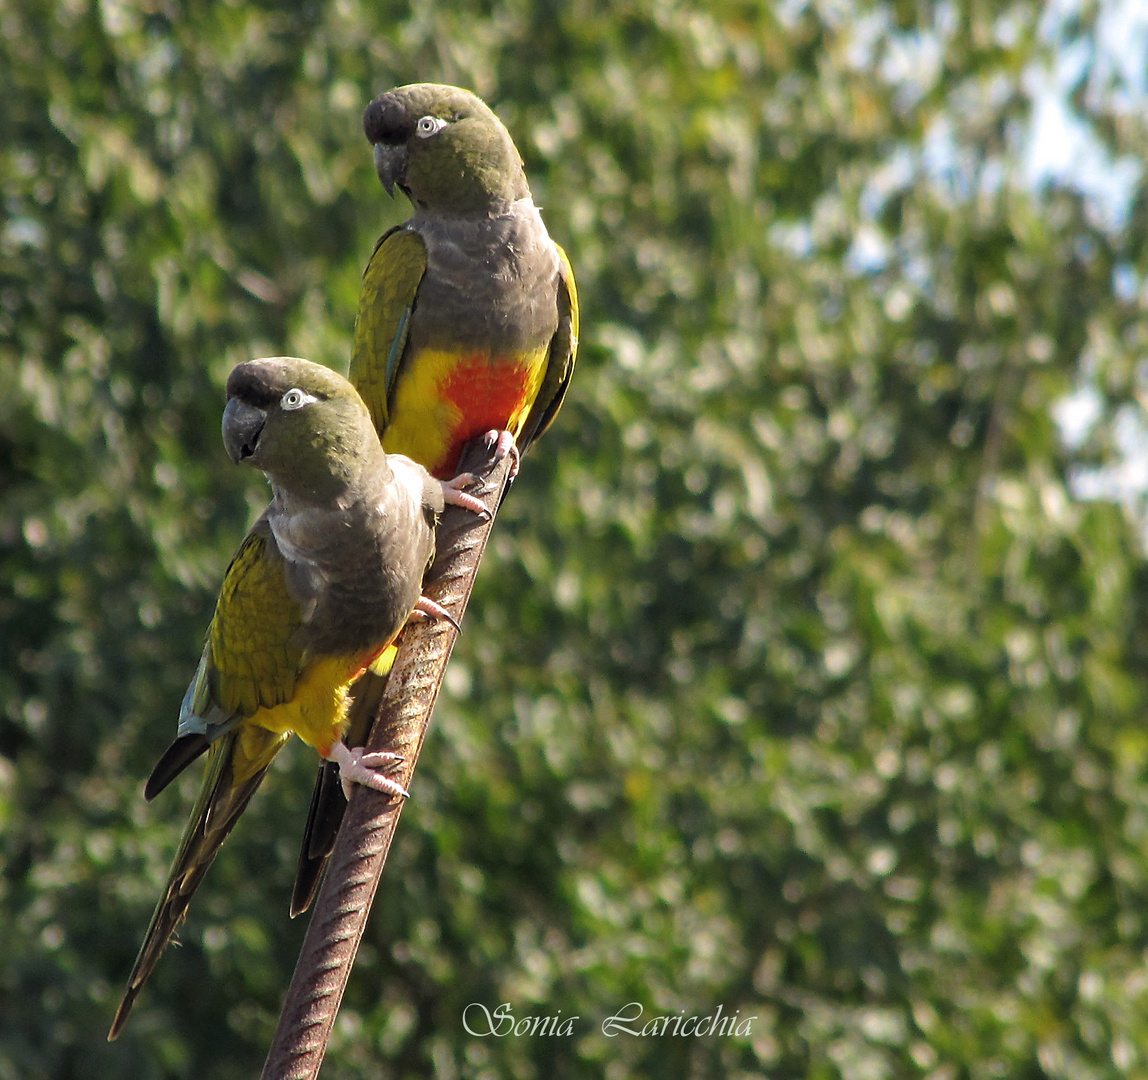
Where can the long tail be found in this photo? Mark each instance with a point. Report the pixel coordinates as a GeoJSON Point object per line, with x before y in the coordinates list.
{"type": "Point", "coordinates": [328, 804]}
{"type": "Point", "coordinates": [236, 765]}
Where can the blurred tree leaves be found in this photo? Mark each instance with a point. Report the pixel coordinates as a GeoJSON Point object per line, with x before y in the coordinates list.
{"type": "Point", "coordinates": [799, 678]}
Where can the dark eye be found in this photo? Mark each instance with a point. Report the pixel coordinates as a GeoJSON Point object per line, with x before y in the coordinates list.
{"type": "Point", "coordinates": [428, 126]}
{"type": "Point", "coordinates": [294, 399]}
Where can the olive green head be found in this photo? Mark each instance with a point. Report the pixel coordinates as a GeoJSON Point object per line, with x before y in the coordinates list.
{"type": "Point", "coordinates": [445, 149]}
{"type": "Point", "coordinates": [302, 424]}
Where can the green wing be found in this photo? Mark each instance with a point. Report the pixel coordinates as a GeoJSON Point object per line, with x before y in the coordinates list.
{"type": "Point", "coordinates": [253, 656]}
{"type": "Point", "coordinates": [390, 284]}
{"type": "Point", "coordinates": [250, 659]}
{"type": "Point", "coordinates": [560, 365]}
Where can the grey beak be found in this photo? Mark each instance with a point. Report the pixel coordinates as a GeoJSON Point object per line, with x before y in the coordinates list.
{"type": "Point", "coordinates": [242, 424]}
{"type": "Point", "coordinates": [390, 164]}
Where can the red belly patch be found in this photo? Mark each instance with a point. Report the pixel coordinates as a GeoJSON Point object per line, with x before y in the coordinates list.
{"type": "Point", "coordinates": [488, 394]}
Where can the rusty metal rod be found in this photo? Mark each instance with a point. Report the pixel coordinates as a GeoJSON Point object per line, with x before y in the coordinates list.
{"type": "Point", "coordinates": [364, 838]}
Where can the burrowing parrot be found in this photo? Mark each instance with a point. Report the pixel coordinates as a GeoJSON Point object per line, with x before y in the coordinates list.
{"type": "Point", "coordinates": [467, 324]}
{"type": "Point", "coordinates": [321, 585]}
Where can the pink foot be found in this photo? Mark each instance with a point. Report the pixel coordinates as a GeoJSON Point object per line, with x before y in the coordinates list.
{"type": "Point", "coordinates": [358, 767]}
{"type": "Point", "coordinates": [502, 443]}
{"type": "Point", "coordinates": [428, 609]}
{"type": "Point", "coordinates": [452, 493]}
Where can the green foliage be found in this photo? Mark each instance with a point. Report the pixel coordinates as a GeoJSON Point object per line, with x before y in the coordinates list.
{"type": "Point", "coordinates": [798, 678]}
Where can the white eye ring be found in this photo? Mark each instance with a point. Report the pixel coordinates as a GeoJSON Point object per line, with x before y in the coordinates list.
{"type": "Point", "coordinates": [428, 126]}
{"type": "Point", "coordinates": [295, 399]}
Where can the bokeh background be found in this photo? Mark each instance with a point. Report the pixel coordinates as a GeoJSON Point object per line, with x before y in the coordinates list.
{"type": "Point", "coordinates": [807, 673]}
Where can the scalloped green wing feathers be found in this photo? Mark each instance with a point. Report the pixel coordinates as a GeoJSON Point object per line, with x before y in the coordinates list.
{"type": "Point", "coordinates": [390, 286]}
{"type": "Point", "coordinates": [253, 660]}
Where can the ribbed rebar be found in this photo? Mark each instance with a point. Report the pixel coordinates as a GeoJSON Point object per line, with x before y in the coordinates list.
{"type": "Point", "coordinates": [364, 838]}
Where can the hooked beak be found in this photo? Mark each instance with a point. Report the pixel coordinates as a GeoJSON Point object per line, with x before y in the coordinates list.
{"type": "Point", "coordinates": [391, 165]}
{"type": "Point", "coordinates": [242, 425]}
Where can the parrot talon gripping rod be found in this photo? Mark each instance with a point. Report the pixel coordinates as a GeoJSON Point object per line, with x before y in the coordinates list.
{"type": "Point", "coordinates": [467, 480]}
{"type": "Point", "coordinates": [503, 443]}
{"type": "Point", "coordinates": [453, 494]}
{"type": "Point", "coordinates": [356, 766]}
{"type": "Point", "coordinates": [435, 612]}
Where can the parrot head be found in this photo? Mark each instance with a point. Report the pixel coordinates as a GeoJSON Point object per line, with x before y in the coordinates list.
{"type": "Point", "coordinates": [445, 150]}
{"type": "Point", "coordinates": [301, 423]}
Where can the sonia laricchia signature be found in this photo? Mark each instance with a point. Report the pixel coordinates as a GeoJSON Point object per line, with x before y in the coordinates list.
{"type": "Point", "coordinates": [481, 1021]}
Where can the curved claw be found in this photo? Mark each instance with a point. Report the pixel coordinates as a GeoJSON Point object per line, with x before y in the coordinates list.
{"type": "Point", "coordinates": [426, 606]}
{"type": "Point", "coordinates": [467, 479]}
{"type": "Point", "coordinates": [502, 443]}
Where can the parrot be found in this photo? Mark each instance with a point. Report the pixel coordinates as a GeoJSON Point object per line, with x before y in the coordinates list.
{"type": "Point", "coordinates": [467, 326]}
{"type": "Point", "coordinates": [320, 586]}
